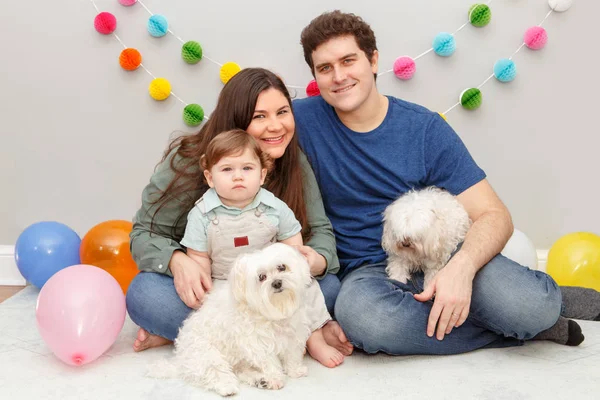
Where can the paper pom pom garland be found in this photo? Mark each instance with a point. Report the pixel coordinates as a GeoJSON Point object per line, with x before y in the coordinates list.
{"type": "Point", "coordinates": [191, 52]}
{"type": "Point", "coordinates": [312, 89]}
{"type": "Point", "coordinates": [193, 114]}
{"type": "Point", "coordinates": [160, 88]}
{"type": "Point", "coordinates": [105, 23]}
{"type": "Point", "coordinates": [505, 70]}
{"type": "Point", "coordinates": [130, 59]}
{"type": "Point", "coordinates": [443, 44]}
{"type": "Point", "coordinates": [157, 25]}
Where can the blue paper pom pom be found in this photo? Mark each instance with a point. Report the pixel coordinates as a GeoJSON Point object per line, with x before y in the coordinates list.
{"type": "Point", "coordinates": [444, 44]}
{"type": "Point", "coordinates": [505, 70]}
{"type": "Point", "coordinates": [158, 25]}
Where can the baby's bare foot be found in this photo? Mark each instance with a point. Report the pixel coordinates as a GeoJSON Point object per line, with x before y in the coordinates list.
{"type": "Point", "coordinates": [322, 352]}
{"type": "Point", "coordinates": [146, 341]}
{"type": "Point", "coordinates": [335, 337]}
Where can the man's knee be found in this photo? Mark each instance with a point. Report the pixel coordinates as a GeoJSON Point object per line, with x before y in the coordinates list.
{"type": "Point", "coordinates": [514, 300]}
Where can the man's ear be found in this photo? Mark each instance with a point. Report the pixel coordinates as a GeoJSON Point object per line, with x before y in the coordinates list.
{"type": "Point", "coordinates": [375, 61]}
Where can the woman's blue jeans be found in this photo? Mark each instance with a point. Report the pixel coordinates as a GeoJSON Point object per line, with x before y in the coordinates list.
{"type": "Point", "coordinates": [153, 303]}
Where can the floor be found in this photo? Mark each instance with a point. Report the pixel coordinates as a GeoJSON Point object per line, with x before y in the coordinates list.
{"type": "Point", "coordinates": [535, 371]}
{"type": "Point", "coordinates": [8, 291]}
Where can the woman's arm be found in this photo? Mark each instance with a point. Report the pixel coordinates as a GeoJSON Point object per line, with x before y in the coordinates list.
{"type": "Point", "coordinates": [322, 239]}
{"type": "Point", "coordinates": [153, 245]}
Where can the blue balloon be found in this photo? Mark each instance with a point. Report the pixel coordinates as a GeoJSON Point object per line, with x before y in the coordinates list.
{"type": "Point", "coordinates": [45, 248]}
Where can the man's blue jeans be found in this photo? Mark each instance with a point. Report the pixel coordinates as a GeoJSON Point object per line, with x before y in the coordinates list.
{"type": "Point", "coordinates": [153, 303]}
{"type": "Point", "coordinates": [510, 304]}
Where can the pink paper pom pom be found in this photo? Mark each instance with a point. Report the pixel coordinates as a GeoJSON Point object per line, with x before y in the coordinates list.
{"type": "Point", "coordinates": [105, 23]}
{"type": "Point", "coordinates": [404, 67]}
{"type": "Point", "coordinates": [312, 89]}
{"type": "Point", "coordinates": [535, 38]}
{"type": "Point", "coordinates": [127, 2]}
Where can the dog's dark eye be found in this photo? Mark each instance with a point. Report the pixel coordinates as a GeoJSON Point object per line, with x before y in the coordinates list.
{"type": "Point", "coordinates": [262, 277]}
{"type": "Point", "coordinates": [281, 268]}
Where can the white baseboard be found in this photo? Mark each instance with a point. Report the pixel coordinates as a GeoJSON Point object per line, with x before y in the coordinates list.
{"type": "Point", "coordinates": [542, 256]}
{"type": "Point", "coordinates": [9, 273]}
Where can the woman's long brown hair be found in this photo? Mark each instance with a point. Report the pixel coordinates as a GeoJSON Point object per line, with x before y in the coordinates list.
{"type": "Point", "coordinates": [234, 110]}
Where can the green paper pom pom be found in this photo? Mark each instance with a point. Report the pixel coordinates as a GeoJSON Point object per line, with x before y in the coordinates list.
{"type": "Point", "coordinates": [480, 15]}
{"type": "Point", "coordinates": [191, 52]}
{"type": "Point", "coordinates": [471, 98]}
{"type": "Point", "coordinates": [193, 114]}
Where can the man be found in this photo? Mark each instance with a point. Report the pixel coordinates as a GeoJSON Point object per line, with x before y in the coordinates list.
{"type": "Point", "coordinates": [366, 150]}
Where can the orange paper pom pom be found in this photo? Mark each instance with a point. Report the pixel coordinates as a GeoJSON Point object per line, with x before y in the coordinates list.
{"type": "Point", "coordinates": [130, 59]}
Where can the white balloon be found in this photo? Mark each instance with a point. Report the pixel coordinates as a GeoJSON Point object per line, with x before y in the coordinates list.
{"type": "Point", "coordinates": [521, 250]}
{"type": "Point", "coordinates": [560, 5]}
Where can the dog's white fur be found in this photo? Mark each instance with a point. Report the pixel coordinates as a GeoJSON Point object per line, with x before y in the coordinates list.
{"type": "Point", "coordinates": [421, 230]}
{"type": "Point", "coordinates": [248, 329]}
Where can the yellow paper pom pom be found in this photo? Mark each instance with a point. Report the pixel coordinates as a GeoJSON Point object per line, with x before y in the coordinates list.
{"type": "Point", "coordinates": [159, 89]}
{"type": "Point", "coordinates": [228, 70]}
{"type": "Point", "coordinates": [443, 116]}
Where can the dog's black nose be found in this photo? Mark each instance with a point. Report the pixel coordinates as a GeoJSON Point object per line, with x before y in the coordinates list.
{"type": "Point", "coordinates": [276, 284]}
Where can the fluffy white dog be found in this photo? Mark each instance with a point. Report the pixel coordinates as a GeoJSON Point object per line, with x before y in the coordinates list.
{"type": "Point", "coordinates": [251, 328]}
{"type": "Point", "coordinates": [421, 229]}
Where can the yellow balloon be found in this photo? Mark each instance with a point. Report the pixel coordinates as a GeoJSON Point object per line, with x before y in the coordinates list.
{"type": "Point", "coordinates": [574, 260]}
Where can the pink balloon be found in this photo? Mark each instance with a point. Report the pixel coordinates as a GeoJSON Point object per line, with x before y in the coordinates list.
{"type": "Point", "coordinates": [80, 312]}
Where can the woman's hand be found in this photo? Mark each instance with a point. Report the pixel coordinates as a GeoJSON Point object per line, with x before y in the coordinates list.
{"type": "Point", "coordinates": [316, 262]}
{"type": "Point", "coordinates": [191, 280]}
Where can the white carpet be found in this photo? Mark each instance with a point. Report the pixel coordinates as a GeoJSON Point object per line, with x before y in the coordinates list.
{"type": "Point", "coordinates": [28, 370]}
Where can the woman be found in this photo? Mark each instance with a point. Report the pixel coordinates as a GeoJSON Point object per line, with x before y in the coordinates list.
{"type": "Point", "coordinates": [171, 284]}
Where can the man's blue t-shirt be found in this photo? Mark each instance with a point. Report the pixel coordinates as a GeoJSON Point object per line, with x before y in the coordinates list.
{"type": "Point", "coordinates": [360, 174]}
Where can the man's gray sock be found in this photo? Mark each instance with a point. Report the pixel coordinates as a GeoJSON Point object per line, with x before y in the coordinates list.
{"type": "Point", "coordinates": [580, 303]}
{"type": "Point", "coordinates": [565, 331]}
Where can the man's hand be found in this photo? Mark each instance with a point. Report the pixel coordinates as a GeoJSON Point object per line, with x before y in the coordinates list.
{"type": "Point", "coordinates": [317, 263]}
{"type": "Point", "coordinates": [452, 286]}
{"type": "Point", "coordinates": [191, 280]}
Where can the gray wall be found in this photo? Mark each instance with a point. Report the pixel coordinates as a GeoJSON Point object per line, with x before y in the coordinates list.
{"type": "Point", "coordinates": [79, 136]}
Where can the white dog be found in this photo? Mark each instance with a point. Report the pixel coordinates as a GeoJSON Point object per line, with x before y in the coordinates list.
{"type": "Point", "coordinates": [252, 327]}
{"type": "Point", "coordinates": [421, 230]}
